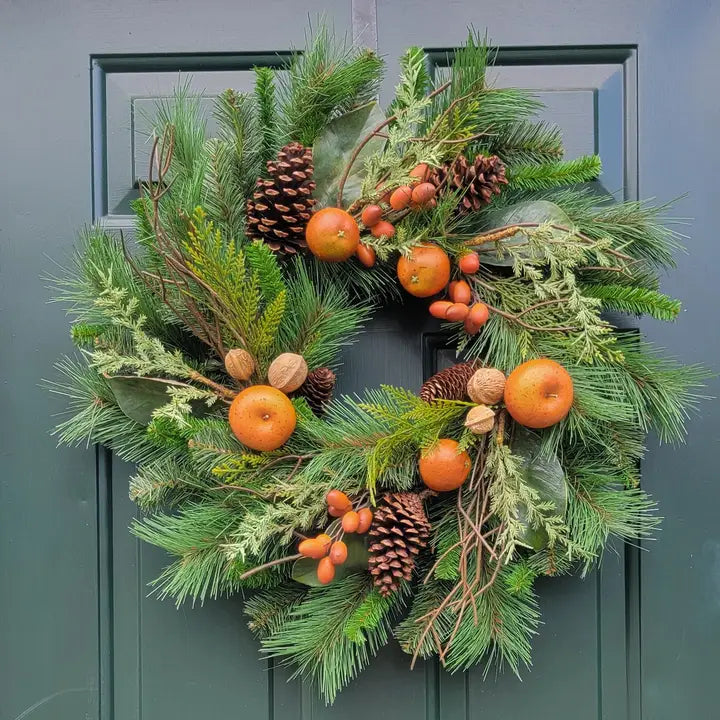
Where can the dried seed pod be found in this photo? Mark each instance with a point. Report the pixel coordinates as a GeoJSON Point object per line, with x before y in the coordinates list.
{"type": "Point", "coordinates": [350, 521]}
{"type": "Point", "coordinates": [480, 420]}
{"type": "Point", "coordinates": [338, 553]}
{"type": "Point", "coordinates": [339, 500]}
{"type": "Point", "coordinates": [287, 372]}
{"type": "Point", "coordinates": [371, 215]}
{"type": "Point", "coordinates": [365, 518]}
{"type": "Point", "coordinates": [486, 386]}
{"type": "Point", "coordinates": [239, 364]}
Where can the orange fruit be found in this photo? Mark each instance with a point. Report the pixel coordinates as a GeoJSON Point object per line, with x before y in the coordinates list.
{"type": "Point", "coordinates": [439, 308]}
{"type": "Point", "coordinates": [365, 518]}
{"type": "Point", "coordinates": [383, 228]}
{"type": "Point", "coordinates": [312, 548]}
{"type": "Point", "coordinates": [400, 198]}
{"type": "Point", "coordinates": [539, 393]}
{"type": "Point", "coordinates": [371, 215]}
{"type": "Point", "coordinates": [470, 327]}
{"type": "Point", "coordinates": [262, 417]}
{"type": "Point", "coordinates": [350, 522]}
{"type": "Point", "coordinates": [338, 500]}
{"type": "Point", "coordinates": [325, 571]}
{"type": "Point", "coordinates": [443, 468]}
{"type": "Point", "coordinates": [457, 312]}
{"type": "Point", "coordinates": [425, 271]}
{"type": "Point", "coordinates": [366, 255]}
{"type": "Point", "coordinates": [335, 512]}
{"type": "Point", "coordinates": [332, 234]}
{"type": "Point", "coordinates": [338, 553]}
{"type": "Point", "coordinates": [469, 263]}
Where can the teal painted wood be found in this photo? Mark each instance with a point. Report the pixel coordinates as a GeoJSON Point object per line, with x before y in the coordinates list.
{"type": "Point", "coordinates": [79, 636]}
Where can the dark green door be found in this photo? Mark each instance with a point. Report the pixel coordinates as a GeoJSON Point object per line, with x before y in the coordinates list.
{"type": "Point", "coordinates": [79, 636]}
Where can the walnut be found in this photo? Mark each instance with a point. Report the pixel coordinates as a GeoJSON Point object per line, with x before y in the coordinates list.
{"type": "Point", "coordinates": [480, 420]}
{"type": "Point", "coordinates": [486, 386]}
{"type": "Point", "coordinates": [287, 372]}
{"type": "Point", "coordinates": [239, 364]}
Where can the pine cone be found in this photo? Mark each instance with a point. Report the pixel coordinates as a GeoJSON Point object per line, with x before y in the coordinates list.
{"type": "Point", "coordinates": [281, 205]}
{"type": "Point", "coordinates": [477, 182]}
{"type": "Point", "coordinates": [318, 388]}
{"type": "Point", "coordinates": [448, 384]}
{"type": "Point", "coordinates": [398, 533]}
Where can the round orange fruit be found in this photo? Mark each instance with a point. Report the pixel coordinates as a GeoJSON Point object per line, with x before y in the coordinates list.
{"type": "Point", "coordinates": [332, 235]}
{"type": "Point", "coordinates": [445, 467]}
{"type": "Point", "coordinates": [262, 417]}
{"type": "Point", "coordinates": [425, 271]}
{"type": "Point", "coordinates": [539, 393]}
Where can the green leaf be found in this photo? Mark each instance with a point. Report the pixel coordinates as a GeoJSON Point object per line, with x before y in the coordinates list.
{"type": "Point", "coordinates": [139, 397]}
{"type": "Point", "coordinates": [532, 211]}
{"type": "Point", "coordinates": [333, 148]}
{"type": "Point", "coordinates": [544, 474]}
{"type": "Point", "coordinates": [305, 569]}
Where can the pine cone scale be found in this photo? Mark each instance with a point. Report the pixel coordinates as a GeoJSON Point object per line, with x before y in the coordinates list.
{"type": "Point", "coordinates": [449, 384]}
{"type": "Point", "coordinates": [477, 182]}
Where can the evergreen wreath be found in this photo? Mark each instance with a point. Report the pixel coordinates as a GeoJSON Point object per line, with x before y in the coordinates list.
{"type": "Point", "coordinates": [207, 355]}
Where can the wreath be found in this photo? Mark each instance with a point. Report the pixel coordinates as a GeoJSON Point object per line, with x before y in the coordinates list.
{"type": "Point", "coordinates": [208, 353]}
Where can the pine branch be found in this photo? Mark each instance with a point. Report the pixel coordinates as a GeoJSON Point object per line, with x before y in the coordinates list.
{"type": "Point", "coordinates": [635, 300]}
{"type": "Point", "coordinates": [552, 174]}
{"type": "Point", "coordinates": [266, 110]}
{"type": "Point", "coordinates": [313, 637]}
{"type": "Point", "coordinates": [527, 143]}
{"type": "Point", "coordinates": [324, 81]}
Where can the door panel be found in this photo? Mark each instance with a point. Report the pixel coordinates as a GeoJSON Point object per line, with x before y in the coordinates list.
{"type": "Point", "coordinates": [78, 631]}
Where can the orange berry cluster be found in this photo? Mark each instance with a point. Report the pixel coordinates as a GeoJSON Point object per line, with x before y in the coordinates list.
{"type": "Point", "coordinates": [418, 194]}
{"type": "Point", "coordinates": [460, 307]}
{"type": "Point", "coordinates": [331, 552]}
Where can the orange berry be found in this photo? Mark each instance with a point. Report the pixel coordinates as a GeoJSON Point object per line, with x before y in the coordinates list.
{"type": "Point", "coordinates": [366, 255]}
{"type": "Point", "coordinates": [325, 571]}
{"type": "Point", "coordinates": [469, 263]}
{"type": "Point", "coordinates": [479, 314]}
{"type": "Point", "coordinates": [383, 228]}
{"type": "Point", "coordinates": [371, 215]}
{"type": "Point", "coordinates": [460, 292]}
{"type": "Point", "coordinates": [335, 512]}
{"type": "Point", "coordinates": [419, 173]}
{"type": "Point", "coordinates": [325, 540]}
{"type": "Point", "coordinates": [365, 517]}
{"type": "Point", "coordinates": [423, 193]}
{"type": "Point", "coordinates": [400, 198]}
{"type": "Point", "coordinates": [457, 312]}
{"type": "Point", "coordinates": [439, 308]}
{"type": "Point", "coordinates": [338, 553]}
{"type": "Point", "coordinates": [338, 499]}
{"type": "Point", "coordinates": [470, 327]}
{"type": "Point", "coordinates": [350, 521]}
{"type": "Point", "coordinates": [312, 548]}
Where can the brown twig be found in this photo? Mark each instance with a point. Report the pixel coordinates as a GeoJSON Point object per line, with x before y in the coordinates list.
{"type": "Point", "coordinates": [265, 566]}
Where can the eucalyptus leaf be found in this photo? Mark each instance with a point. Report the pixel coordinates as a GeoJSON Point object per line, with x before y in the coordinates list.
{"type": "Point", "coordinates": [139, 397]}
{"type": "Point", "coordinates": [304, 570]}
{"type": "Point", "coordinates": [535, 211]}
{"type": "Point", "coordinates": [545, 475]}
{"type": "Point", "coordinates": [335, 145]}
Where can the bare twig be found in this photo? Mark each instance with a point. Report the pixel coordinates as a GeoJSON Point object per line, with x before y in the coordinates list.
{"type": "Point", "coordinates": [272, 563]}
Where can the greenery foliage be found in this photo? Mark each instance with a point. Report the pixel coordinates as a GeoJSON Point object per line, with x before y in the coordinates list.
{"type": "Point", "coordinates": [193, 286]}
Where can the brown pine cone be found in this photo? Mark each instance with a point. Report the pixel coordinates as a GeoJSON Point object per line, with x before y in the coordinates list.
{"type": "Point", "coordinates": [317, 389]}
{"type": "Point", "coordinates": [399, 531]}
{"type": "Point", "coordinates": [477, 182]}
{"type": "Point", "coordinates": [281, 205]}
{"type": "Point", "coordinates": [449, 384]}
